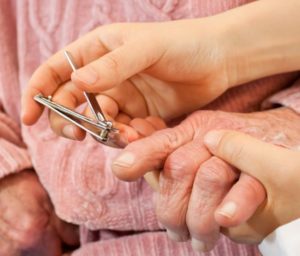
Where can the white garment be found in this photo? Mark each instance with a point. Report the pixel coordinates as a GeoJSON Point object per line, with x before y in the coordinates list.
{"type": "Point", "coordinates": [284, 241]}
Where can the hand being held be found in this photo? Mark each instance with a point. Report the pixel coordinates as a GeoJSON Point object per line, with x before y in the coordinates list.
{"type": "Point", "coordinates": [192, 183]}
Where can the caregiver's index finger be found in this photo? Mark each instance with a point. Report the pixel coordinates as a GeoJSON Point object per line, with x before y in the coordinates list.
{"type": "Point", "coordinates": [55, 71]}
{"type": "Point", "coordinates": [45, 80]}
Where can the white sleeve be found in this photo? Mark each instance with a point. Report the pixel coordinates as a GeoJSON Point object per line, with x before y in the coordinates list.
{"type": "Point", "coordinates": [285, 240]}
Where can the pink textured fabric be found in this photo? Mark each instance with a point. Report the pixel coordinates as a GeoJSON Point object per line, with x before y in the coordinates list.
{"type": "Point", "coordinates": [158, 244]}
{"type": "Point", "coordinates": [77, 175]}
{"type": "Point", "coordinates": [13, 155]}
{"type": "Point", "coordinates": [289, 98]}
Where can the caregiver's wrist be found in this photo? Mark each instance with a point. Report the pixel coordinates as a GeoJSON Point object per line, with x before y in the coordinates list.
{"type": "Point", "coordinates": [258, 44]}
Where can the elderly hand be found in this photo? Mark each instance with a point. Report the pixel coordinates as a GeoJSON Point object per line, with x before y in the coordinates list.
{"type": "Point", "coordinates": [278, 171]}
{"type": "Point", "coordinates": [192, 183]}
{"type": "Point", "coordinates": [27, 220]}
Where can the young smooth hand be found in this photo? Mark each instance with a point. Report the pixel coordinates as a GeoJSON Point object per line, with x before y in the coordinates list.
{"type": "Point", "coordinates": [143, 69]}
{"type": "Point", "coordinates": [276, 168]}
{"type": "Point", "coordinates": [171, 68]}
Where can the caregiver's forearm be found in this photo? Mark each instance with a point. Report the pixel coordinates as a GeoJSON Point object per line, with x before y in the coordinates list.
{"type": "Point", "coordinates": [262, 38]}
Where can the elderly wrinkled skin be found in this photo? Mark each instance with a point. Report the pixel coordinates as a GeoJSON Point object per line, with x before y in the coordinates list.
{"type": "Point", "coordinates": [28, 225]}
{"type": "Point", "coordinates": [192, 183]}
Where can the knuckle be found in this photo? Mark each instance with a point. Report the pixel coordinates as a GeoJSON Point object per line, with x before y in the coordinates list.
{"type": "Point", "coordinates": [53, 73]}
{"type": "Point", "coordinates": [112, 65]}
{"type": "Point", "coordinates": [178, 167]}
{"type": "Point", "coordinates": [170, 138]}
{"type": "Point", "coordinates": [174, 169]}
{"type": "Point", "coordinates": [110, 61]}
{"type": "Point", "coordinates": [228, 173]}
{"type": "Point", "coordinates": [212, 177]}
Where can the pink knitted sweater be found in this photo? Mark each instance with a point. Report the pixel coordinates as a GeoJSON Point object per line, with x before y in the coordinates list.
{"type": "Point", "coordinates": [116, 218]}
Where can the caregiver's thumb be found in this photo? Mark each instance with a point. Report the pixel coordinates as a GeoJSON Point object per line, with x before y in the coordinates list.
{"type": "Point", "coordinates": [254, 157]}
{"type": "Point", "coordinates": [116, 66]}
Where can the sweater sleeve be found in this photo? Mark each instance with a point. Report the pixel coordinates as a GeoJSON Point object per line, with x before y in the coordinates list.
{"type": "Point", "coordinates": [13, 154]}
{"type": "Point", "coordinates": [289, 98]}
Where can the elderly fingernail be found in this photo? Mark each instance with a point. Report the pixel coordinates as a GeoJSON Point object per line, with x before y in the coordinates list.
{"type": "Point", "coordinates": [212, 139]}
{"type": "Point", "coordinates": [125, 160]}
{"type": "Point", "coordinates": [175, 236]}
{"type": "Point", "coordinates": [228, 210]}
{"type": "Point", "coordinates": [198, 245]}
{"type": "Point", "coordinates": [68, 131]}
{"type": "Point", "coordinates": [86, 75]}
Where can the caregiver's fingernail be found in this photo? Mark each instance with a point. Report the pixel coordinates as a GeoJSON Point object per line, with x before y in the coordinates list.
{"type": "Point", "coordinates": [175, 236]}
{"type": "Point", "coordinates": [68, 131]}
{"type": "Point", "coordinates": [213, 138]}
{"type": "Point", "coordinates": [198, 245]}
{"type": "Point", "coordinates": [228, 209]}
{"type": "Point", "coordinates": [86, 75]}
{"type": "Point", "coordinates": [125, 160]}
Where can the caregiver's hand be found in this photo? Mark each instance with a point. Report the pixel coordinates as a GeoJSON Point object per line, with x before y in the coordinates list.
{"type": "Point", "coordinates": [162, 69]}
{"type": "Point", "coordinates": [171, 68]}
{"type": "Point", "coordinates": [28, 224]}
{"type": "Point", "coordinates": [192, 183]}
{"type": "Point", "coordinates": [276, 168]}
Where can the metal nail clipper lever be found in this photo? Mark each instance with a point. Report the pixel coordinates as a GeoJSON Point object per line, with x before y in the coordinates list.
{"type": "Point", "coordinates": [100, 129]}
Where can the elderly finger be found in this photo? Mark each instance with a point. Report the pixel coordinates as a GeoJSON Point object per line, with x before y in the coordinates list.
{"type": "Point", "coordinates": [151, 152]}
{"type": "Point", "coordinates": [213, 180]}
{"type": "Point", "coordinates": [175, 186]}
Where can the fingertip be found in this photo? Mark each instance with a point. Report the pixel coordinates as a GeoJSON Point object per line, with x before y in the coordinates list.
{"type": "Point", "coordinates": [142, 126]}
{"type": "Point", "coordinates": [122, 166]}
{"type": "Point", "coordinates": [226, 215]}
{"type": "Point", "coordinates": [202, 246]}
{"type": "Point", "coordinates": [157, 122]}
{"type": "Point", "coordinates": [127, 132]}
{"type": "Point", "coordinates": [152, 178]}
{"type": "Point", "coordinates": [25, 119]}
{"type": "Point", "coordinates": [128, 166]}
{"type": "Point", "coordinates": [176, 236]}
{"type": "Point", "coordinates": [30, 109]}
{"type": "Point", "coordinates": [70, 131]}
{"type": "Point", "coordinates": [79, 134]}
{"type": "Point", "coordinates": [123, 118]}
{"type": "Point", "coordinates": [30, 115]}
{"type": "Point", "coordinates": [212, 139]}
